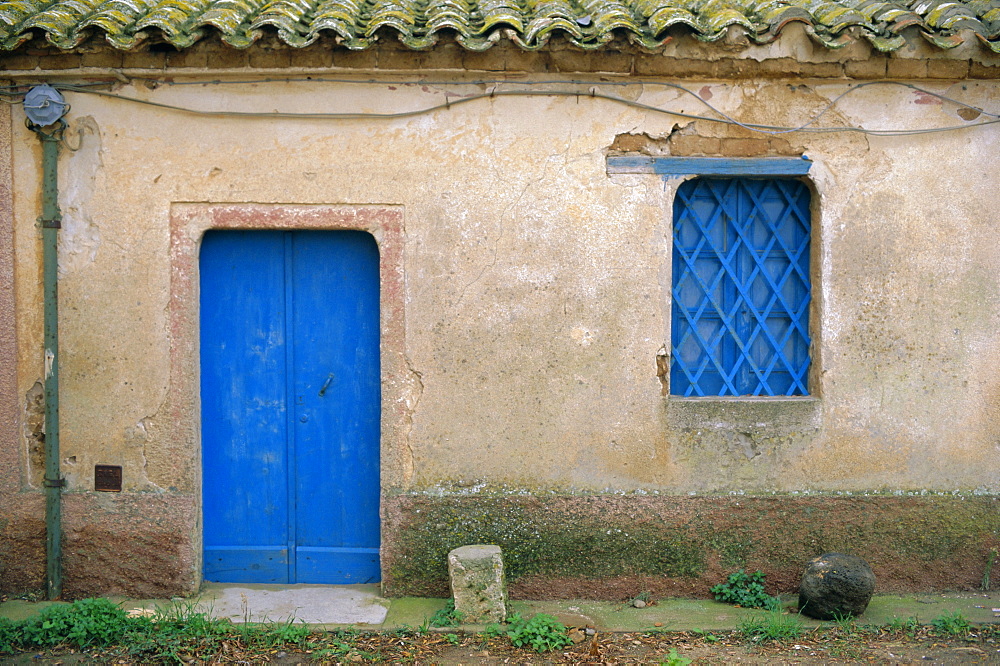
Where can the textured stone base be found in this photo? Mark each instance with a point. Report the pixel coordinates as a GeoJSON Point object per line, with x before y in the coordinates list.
{"type": "Point", "coordinates": [113, 544]}
{"type": "Point", "coordinates": [614, 547]}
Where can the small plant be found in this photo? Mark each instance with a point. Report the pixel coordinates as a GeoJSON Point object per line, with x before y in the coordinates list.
{"type": "Point", "coordinates": [674, 659]}
{"type": "Point", "coordinates": [81, 624]}
{"type": "Point", "coordinates": [701, 633]}
{"type": "Point", "coordinates": [641, 600]}
{"type": "Point", "coordinates": [451, 638]}
{"type": "Point", "coordinates": [990, 560]}
{"type": "Point", "coordinates": [10, 636]}
{"type": "Point", "coordinates": [908, 625]}
{"type": "Point", "coordinates": [774, 626]}
{"type": "Point", "coordinates": [542, 633]}
{"type": "Point", "coordinates": [746, 590]}
{"type": "Point", "coordinates": [447, 616]}
{"type": "Point", "coordinates": [493, 630]}
{"type": "Point", "coordinates": [846, 623]}
{"type": "Point", "coordinates": [951, 624]}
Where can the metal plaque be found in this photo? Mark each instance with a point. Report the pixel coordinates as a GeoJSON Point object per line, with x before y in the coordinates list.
{"type": "Point", "coordinates": [108, 478]}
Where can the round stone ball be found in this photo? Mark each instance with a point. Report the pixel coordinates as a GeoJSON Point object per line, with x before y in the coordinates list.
{"type": "Point", "coordinates": [836, 585]}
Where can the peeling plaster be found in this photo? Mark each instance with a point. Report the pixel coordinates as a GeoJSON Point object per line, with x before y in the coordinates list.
{"type": "Point", "coordinates": [80, 237]}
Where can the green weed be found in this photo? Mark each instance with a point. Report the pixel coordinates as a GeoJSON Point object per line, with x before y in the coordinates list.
{"type": "Point", "coordinates": [772, 626]}
{"type": "Point", "coordinates": [908, 625]}
{"type": "Point", "coordinates": [845, 623]}
{"type": "Point", "coordinates": [710, 637]}
{"type": "Point", "coordinates": [81, 624]}
{"type": "Point", "coordinates": [990, 560]}
{"type": "Point", "coordinates": [951, 624]}
{"type": "Point", "coordinates": [542, 633]}
{"type": "Point", "coordinates": [10, 636]}
{"type": "Point", "coordinates": [746, 590]}
{"type": "Point", "coordinates": [447, 616]}
{"type": "Point", "coordinates": [674, 659]}
{"type": "Point", "coordinates": [452, 638]}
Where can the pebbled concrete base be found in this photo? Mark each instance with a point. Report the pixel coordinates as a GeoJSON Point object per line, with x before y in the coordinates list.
{"type": "Point", "coordinates": [360, 606]}
{"type": "Point", "coordinates": [311, 604]}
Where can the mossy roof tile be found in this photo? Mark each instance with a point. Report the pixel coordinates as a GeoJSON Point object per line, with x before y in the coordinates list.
{"type": "Point", "coordinates": [478, 24]}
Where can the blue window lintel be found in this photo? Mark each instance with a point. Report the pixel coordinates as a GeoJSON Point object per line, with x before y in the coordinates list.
{"type": "Point", "coordinates": [710, 166]}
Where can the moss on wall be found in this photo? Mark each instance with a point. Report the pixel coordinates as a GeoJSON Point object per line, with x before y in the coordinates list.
{"type": "Point", "coordinates": [601, 545]}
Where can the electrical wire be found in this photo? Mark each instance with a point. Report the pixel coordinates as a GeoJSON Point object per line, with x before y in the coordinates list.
{"type": "Point", "coordinates": [592, 93]}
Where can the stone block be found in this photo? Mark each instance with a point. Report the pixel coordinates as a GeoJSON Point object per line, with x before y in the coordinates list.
{"type": "Point", "coordinates": [18, 61]}
{"type": "Point", "coordinates": [692, 144]}
{"type": "Point", "coordinates": [980, 71]}
{"type": "Point", "coordinates": [744, 147]}
{"type": "Point", "coordinates": [836, 585]}
{"type": "Point", "coordinates": [872, 68]}
{"type": "Point", "coordinates": [906, 68]}
{"type": "Point", "coordinates": [947, 69]}
{"type": "Point", "coordinates": [108, 58]}
{"type": "Point", "coordinates": [59, 61]}
{"type": "Point", "coordinates": [478, 584]}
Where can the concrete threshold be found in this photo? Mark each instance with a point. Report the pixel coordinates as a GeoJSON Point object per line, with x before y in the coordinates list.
{"type": "Point", "coordinates": [361, 607]}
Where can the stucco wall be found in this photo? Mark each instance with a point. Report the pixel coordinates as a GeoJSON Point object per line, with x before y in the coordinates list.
{"type": "Point", "coordinates": [535, 290]}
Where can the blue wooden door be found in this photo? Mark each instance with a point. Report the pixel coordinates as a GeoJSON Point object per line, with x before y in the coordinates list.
{"type": "Point", "coordinates": [290, 394]}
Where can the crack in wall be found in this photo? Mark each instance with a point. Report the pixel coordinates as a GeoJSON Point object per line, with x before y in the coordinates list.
{"type": "Point", "coordinates": [417, 380]}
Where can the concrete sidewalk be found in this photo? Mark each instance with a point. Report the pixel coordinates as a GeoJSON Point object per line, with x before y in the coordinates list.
{"type": "Point", "coordinates": [360, 606]}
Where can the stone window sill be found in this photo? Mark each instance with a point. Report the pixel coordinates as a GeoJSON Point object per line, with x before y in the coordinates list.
{"type": "Point", "coordinates": [774, 416]}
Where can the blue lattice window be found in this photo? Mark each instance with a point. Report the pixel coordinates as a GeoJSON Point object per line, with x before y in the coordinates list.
{"type": "Point", "coordinates": [741, 292]}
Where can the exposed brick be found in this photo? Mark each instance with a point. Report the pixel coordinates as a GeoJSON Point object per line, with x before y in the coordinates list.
{"type": "Point", "coordinates": [823, 70]}
{"type": "Point", "coordinates": [520, 60]}
{"type": "Point", "coordinates": [695, 145]}
{"type": "Point", "coordinates": [188, 58]}
{"type": "Point", "coordinates": [588, 61]}
{"type": "Point", "coordinates": [18, 61]}
{"type": "Point", "coordinates": [780, 66]}
{"type": "Point", "coordinates": [779, 146]}
{"type": "Point", "coordinates": [654, 65]}
{"type": "Point", "coordinates": [906, 68]}
{"type": "Point", "coordinates": [59, 61]}
{"type": "Point", "coordinates": [355, 59]}
{"type": "Point", "coordinates": [947, 69]}
{"type": "Point", "coordinates": [317, 55]}
{"type": "Point", "coordinates": [399, 58]}
{"type": "Point", "coordinates": [485, 61]}
{"type": "Point", "coordinates": [444, 56]}
{"type": "Point", "coordinates": [227, 57]}
{"type": "Point", "coordinates": [733, 68]}
{"type": "Point", "coordinates": [744, 147]}
{"type": "Point", "coordinates": [144, 60]}
{"type": "Point", "coordinates": [102, 59]}
{"type": "Point", "coordinates": [978, 71]}
{"type": "Point", "coordinates": [268, 58]}
{"type": "Point", "coordinates": [872, 68]}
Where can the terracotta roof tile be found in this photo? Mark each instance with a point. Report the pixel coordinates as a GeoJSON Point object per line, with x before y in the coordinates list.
{"type": "Point", "coordinates": [478, 24]}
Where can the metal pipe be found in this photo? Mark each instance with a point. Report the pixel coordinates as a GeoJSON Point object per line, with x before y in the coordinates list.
{"type": "Point", "coordinates": [50, 222]}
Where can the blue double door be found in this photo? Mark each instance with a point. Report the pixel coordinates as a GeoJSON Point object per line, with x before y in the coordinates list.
{"type": "Point", "coordinates": [290, 395]}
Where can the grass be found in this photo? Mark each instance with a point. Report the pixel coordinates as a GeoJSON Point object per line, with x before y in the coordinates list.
{"type": "Point", "coordinates": [771, 626]}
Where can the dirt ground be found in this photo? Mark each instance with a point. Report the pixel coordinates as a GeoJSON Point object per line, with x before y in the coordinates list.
{"type": "Point", "coordinates": [828, 645]}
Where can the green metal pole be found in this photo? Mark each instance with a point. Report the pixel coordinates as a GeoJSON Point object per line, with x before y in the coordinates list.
{"type": "Point", "coordinates": [50, 223]}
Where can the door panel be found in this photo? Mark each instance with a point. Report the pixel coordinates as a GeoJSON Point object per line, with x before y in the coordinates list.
{"type": "Point", "coordinates": [290, 372]}
{"type": "Point", "coordinates": [337, 406]}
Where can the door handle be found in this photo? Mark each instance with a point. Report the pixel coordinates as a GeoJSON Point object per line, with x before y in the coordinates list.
{"type": "Point", "coordinates": [326, 385]}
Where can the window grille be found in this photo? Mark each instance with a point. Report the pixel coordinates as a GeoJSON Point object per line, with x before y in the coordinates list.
{"type": "Point", "coordinates": [741, 292]}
